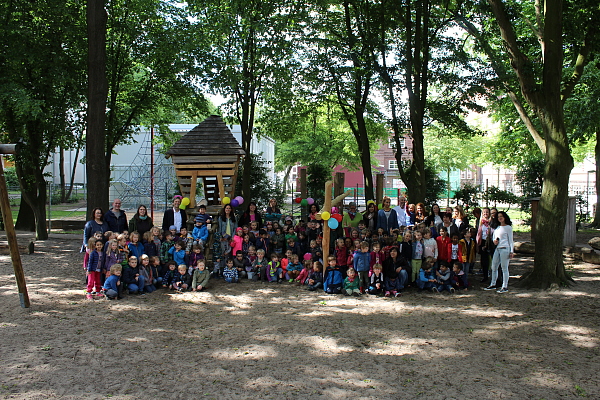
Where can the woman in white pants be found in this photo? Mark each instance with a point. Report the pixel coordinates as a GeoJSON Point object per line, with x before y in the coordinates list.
{"type": "Point", "coordinates": [503, 239]}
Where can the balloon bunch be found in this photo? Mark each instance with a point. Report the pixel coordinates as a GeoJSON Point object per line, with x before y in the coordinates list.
{"type": "Point", "coordinates": [235, 202]}
{"type": "Point", "coordinates": [305, 202]}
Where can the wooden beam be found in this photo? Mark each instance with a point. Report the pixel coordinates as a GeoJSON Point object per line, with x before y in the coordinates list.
{"type": "Point", "coordinates": [193, 190]}
{"type": "Point", "coordinates": [179, 167]}
{"type": "Point", "coordinates": [326, 229]}
{"type": "Point", "coordinates": [12, 237]}
{"type": "Point", "coordinates": [224, 174]}
{"type": "Point", "coordinates": [221, 193]}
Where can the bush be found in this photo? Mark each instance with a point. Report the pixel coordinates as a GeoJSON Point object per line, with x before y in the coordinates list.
{"type": "Point", "coordinates": [316, 176]}
{"type": "Point", "coordinates": [466, 196]}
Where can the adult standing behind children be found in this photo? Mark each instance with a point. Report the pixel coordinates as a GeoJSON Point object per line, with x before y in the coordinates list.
{"type": "Point", "coordinates": [351, 218]}
{"type": "Point", "coordinates": [401, 213]}
{"type": "Point", "coordinates": [95, 224]}
{"type": "Point", "coordinates": [174, 215]}
{"type": "Point", "coordinates": [251, 214]}
{"type": "Point", "coordinates": [503, 239]}
{"type": "Point", "coordinates": [387, 219]}
{"type": "Point", "coordinates": [141, 221]}
{"type": "Point", "coordinates": [115, 218]}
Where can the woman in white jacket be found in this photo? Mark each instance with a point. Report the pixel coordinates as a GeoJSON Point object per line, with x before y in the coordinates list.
{"type": "Point", "coordinates": [503, 239]}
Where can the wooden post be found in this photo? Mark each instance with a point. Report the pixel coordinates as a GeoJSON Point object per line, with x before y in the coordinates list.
{"type": "Point", "coordinates": [303, 191]}
{"type": "Point", "coordinates": [326, 229]}
{"type": "Point", "coordinates": [379, 188]}
{"type": "Point", "coordinates": [338, 184]}
{"type": "Point", "coordinates": [10, 232]}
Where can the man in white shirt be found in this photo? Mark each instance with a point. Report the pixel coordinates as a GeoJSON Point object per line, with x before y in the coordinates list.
{"type": "Point", "coordinates": [401, 211]}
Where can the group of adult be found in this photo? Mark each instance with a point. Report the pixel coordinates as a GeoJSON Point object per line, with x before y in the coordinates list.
{"type": "Point", "coordinates": [115, 220]}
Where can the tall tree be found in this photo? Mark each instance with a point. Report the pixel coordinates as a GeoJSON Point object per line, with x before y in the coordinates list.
{"type": "Point", "coordinates": [42, 85]}
{"type": "Point", "coordinates": [339, 49]}
{"type": "Point", "coordinates": [420, 59]}
{"type": "Point", "coordinates": [95, 139]}
{"type": "Point", "coordinates": [540, 78]}
{"type": "Point", "coordinates": [247, 55]}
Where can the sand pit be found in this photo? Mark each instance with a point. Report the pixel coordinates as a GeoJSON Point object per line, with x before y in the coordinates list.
{"type": "Point", "coordinates": [276, 341]}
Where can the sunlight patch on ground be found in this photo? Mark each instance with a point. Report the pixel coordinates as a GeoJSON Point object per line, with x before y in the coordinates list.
{"type": "Point", "coordinates": [254, 352]}
{"type": "Point", "coordinates": [579, 336]}
{"type": "Point", "coordinates": [136, 339]}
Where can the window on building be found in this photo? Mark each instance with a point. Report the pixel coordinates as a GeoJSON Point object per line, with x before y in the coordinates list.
{"type": "Point", "coordinates": [392, 164]}
{"type": "Point", "coordinates": [467, 174]}
{"type": "Point", "coordinates": [392, 142]}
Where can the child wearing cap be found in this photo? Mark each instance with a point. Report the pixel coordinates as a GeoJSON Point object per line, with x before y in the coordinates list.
{"type": "Point", "coordinates": [202, 216]}
{"type": "Point", "coordinates": [200, 233]}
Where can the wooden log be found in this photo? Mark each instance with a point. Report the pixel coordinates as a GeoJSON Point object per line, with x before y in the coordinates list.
{"type": "Point", "coordinates": [326, 230]}
{"type": "Point", "coordinates": [12, 239]}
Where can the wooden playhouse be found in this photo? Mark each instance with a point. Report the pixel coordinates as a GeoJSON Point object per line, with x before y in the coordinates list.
{"type": "Point", "coordinates": [211, 153]}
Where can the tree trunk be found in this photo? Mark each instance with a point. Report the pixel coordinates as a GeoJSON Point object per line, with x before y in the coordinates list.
{"type": "Point", "coordinates": [73, 170]}
{"type": "Point", "coordinates": [365, 154]}
{"type": "Point", "coordinates": [548, 267]}
{"type": "Point", "coordinates": [25, 218]}
{"type": "Point", "coordinates": [61, 173]}
{"type": "Point", "coordinates": [596, 222]}
{"type": "Point", "coordinates": [98, 175]}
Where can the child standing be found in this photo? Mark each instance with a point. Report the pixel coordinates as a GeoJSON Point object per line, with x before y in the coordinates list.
{"type": "Point", "coordinates": [454, 252]}
{"type": "Point", "coordinates": [467, 249]}
{"type": "Point", "coordinates": [377, 255]}
{"type": "Point", "coordinates": [362, 264]}
{"type": "Point", "coordinates": [200, 233]}
{"type": "Point", "coordinates": [201, 277]}
{"type": "Point", "coordinates": [136, 248]}
{"type": "Point", "coordinates": [196, 255]}
{"type": "Point", "coordinates": [418, 249]}
{"type": "Point", "coordinates": [443, 244]}
{"type": "Point", "coordinates": [94, 268]}
{"type": "Point", "coordinates": [430, 248]}
{"type": "Point", "coordinates": [146, 272]}
{"type": "Point", "coordinates": [156, 272]}
{"type": "Point", "coordinates": [341, 255]}
{"type": "Point", "coordinates": [165, 256]}
{"type": "Point", "coordinates": [237, 240]}
{"type": "Point", "coordinates": [259, 266]}
{"type": "Point", "coordinates": [351, 284]}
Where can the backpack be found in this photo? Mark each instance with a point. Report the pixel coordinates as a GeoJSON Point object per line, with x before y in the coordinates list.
{"type": "Point", "coordinates": [333, 281]}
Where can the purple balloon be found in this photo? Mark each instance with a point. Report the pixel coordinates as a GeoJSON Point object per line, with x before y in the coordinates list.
{"type": "Point", "coordinates": [235, 203]}
{"type": "Point", "coordinates": [310, 201]}
{"type": "Point", "coordinates": [240, 200]}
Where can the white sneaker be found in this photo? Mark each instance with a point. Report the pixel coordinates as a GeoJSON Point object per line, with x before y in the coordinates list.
{"type": "Point", "coordinates": [503, 290]}
{"type": "Point", "coordinates": [490, 288]}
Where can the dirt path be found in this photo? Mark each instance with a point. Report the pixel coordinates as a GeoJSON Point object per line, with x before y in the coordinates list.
{"type": "Point", "coordinates": [280, 342]}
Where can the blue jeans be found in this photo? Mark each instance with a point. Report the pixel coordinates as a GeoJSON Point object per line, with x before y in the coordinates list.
{"type": "Point", "coordinates": [443, 287]}
{"type": "Point", "coordinates": [231, 279]}
{"type": "Point", "coordinates": [139, 286]}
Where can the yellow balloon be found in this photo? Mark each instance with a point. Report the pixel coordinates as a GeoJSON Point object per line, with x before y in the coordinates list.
{"type": "Point", "coordinates": [325, 215]}
{"type": "Point", "coordinates": [185, 201]}
{"type": "Point", "coordinates": [226, 200]}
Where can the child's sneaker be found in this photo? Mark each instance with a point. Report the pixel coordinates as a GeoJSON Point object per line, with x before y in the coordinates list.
{"type": "Point", "coordinates": [100, 294]}
{"type": "Point", "coordinates": [490, 288]}
{"type": "Point", "coordinates": [387, 294]}
{"type": "Point", "coordinates": [452, 290]}
{"type": "Point", "coordinates": [502, 290]}
{"type": "Point", "coordinates": [398, 294]}
{"type": "Point", "coordinates": [435, 290]}
{"type": "Point", "coordinates": [89, 296]}
{"type": "Point", "coordinates": [291, 281]}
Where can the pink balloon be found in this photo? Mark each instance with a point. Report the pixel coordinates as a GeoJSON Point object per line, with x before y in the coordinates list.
{"type": "Point", "coordinates": [307, 256]}
{"type": "Point", "coordinates": [240, 200]}
{"type": "Point", "coordinates": [310, 201]}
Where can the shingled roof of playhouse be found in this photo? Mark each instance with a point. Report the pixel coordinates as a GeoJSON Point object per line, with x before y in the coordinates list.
{"type": "Point", "coordinates": [211, 137]}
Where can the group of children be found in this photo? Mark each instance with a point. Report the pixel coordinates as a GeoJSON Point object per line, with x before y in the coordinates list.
{"type": "Point", "coordinates": [360, 263]}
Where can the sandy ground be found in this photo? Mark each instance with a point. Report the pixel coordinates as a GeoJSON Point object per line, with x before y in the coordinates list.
{"type": "Point", "coordinates": [280, 342]}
